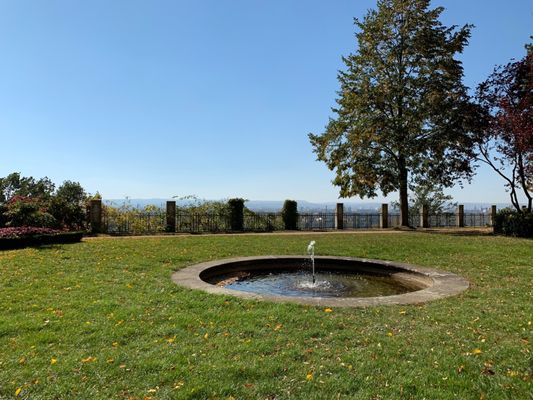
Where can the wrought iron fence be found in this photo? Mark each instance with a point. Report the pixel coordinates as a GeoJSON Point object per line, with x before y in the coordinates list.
{"type": "Point", "coordinates": [120, 222]}
{"type": "Point", "coordinates": [133, 223]}
{"type": "Point", "coordinates": [263, 222]}
{"type": "Point", "coordinates": [316, 221]}
{"type": "Point", "coordinates": [477, 219]}
{"type": "Point", "coordinates": [202, 222]}
{"type": "Point", "coordinates": [360, 221]}
{"type": "Point", "coordinates": [443, 220]}
{"type": "Point", "coordinates": [395, 220]}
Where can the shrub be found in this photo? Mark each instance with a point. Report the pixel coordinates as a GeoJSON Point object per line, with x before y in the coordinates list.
{"type": "Point", "coordinates": [25, 201]}
{"type": "Point", "coordinates": [289, 214]}
{"type": "Point", "coordinates": [26, 211]}
{"type": "Point", "coordinates": [236, 214]}
{"type": "Point", "coordinates": [514, 223]}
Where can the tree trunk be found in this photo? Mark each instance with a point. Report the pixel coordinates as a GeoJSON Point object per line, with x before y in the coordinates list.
{"type": "Point", "coordinates": [404, 201]}
{"type": "Point", "coordinates": [523, 182]}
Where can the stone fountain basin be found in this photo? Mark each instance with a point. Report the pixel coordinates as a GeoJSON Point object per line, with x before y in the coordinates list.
{"type": "Point", "coordinates": [428, 284]}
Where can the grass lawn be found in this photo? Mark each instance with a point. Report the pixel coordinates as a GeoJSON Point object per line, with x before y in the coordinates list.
{"type": "Point", "coordinates": [101, 319]}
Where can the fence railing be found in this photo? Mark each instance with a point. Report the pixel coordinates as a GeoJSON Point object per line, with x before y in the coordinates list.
{"type": "Point", "coordinates": [132, 223]}
{"type": "Point", "coordinates": [113, 221]}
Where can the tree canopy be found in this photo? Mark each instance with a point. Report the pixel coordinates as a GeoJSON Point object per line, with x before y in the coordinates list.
{"type": "Point", "coordinates": [506, 142]}
{"type": "Point", "coordinates": [402, 113]}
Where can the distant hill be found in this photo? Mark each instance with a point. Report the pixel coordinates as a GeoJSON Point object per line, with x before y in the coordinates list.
{"type": "Point", "coordinates": [276, 205]}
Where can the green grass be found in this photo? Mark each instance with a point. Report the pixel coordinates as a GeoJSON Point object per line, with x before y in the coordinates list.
{"type": "Point", "coordinates": [101, 319]}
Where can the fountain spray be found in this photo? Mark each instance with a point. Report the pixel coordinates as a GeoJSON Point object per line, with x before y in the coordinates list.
{"type": "Point", "coordinates": [311, 253]}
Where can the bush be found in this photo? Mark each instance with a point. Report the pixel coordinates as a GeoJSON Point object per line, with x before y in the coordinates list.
{"type": "Point", "coordinates": [26, 211]}
{"type": "Point", "coordinates": [236, 213]}
{"type": "Point", "coordinates": [289, 214]}
{"type": "Point", "coordinates": [25, 201]}
{"type": "Point", "coordinates": [513, 223]}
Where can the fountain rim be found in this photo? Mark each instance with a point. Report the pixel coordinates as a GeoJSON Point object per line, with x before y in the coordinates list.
{"type": "Point", "coordinates": [439, 284]}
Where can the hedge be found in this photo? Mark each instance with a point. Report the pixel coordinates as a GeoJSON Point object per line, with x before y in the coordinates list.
{"type": "Point", "coordinates": [289, 214]}
{"type": "Point", "coordinates": [236, 210]}
{"type": "Point", "coordinates": [513, 223]}
{"type": "Point", "coordinates": [16, 238]}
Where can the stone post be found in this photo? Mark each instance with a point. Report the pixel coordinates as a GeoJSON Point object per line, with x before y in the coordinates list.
{"type": "Point", "coordinates": [493, 213]}
{"type": "Point", "coordinates": [339, 216]}
{"type": "Point", "coordinates": [460, 216]}
{"type": "Point", "coordinates": [424, 216]}
{"type": "Point", "coordinates": [384, 216]}
{"type": "Point", "coordinates": [171, 216]}
{"type": "Point", "coordinates": [95, 212]}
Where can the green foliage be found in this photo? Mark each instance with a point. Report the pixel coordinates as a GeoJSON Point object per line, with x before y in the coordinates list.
{"type": "Point", "coordinates": [289, 214]}
{"type": "Point", "coordinates": [15, 185]}
{"type": "Point", "coordinates": [193, 204]}
{"type": "Point", "coordinates": [130, 220]}
{"type": "Point", "coordinates": [431, 196]}
{"type": "Point", "coordinates": [514, 223]}
{"type": "Point", "coordinates": [67, 205]}
{"type": "Point", "coordinates": [26, 211]}
{"type": "Point", "coordinates": [236, 213]}
{"type": "Point", "coordinates": [403, 110]}
{"type": "Point", "coordinates": [25, 201]}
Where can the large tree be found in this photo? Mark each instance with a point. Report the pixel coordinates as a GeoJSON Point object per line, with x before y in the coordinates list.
{"type": "Point", "coordinates": [402, 108]}
{"type": "Point", "coordinates": [506, 143]}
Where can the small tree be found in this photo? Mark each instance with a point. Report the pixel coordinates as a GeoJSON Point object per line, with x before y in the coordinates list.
{"type": "Point", "coordinates": [431, 196]}
{"type": "Point", "coordinates": [506, 141]}
{"type": "Point", "coordinates": [403, 110]}
{"type": "Point", "coordinates": [67, 205]}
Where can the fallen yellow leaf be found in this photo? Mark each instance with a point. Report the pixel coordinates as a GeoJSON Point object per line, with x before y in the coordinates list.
{"type": "Point", "coordinates": [53, 361]}
{"type": "Point", "coordinates": [17, 392]}
{"type": "Point", "coordinates": [476, 351]}
{"type": "Point", "coordinates": [328, 310]}
{"type": "Point", "coordinates": [88, 359]}
{"type": "Point", "coordinates": [309, 376]}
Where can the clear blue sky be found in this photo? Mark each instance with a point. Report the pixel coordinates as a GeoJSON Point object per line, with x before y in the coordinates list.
{"type": "Point", "coordinates": [207, 97]}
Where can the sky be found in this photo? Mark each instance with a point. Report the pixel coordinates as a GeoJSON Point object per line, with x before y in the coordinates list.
{"type": "Point", "coordinates": [213, 98]}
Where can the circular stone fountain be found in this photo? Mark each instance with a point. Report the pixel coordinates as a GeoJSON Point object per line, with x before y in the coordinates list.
{"type": "Point", "coordinates": [339, 281]}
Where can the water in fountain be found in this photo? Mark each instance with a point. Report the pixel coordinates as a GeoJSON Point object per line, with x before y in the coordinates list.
{"type": "Point", "coordinates": [311, 252]}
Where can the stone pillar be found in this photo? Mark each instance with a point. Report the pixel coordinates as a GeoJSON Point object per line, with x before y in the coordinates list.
{"type": "Point", "coordinates": [95, 212]}
{"type": "Point", "coordinates": [493, 213]}
{"type": "Point", "coordinates": [460, 216]}
{"type": "Point", "coordinates": [424, 216]}
{"type": "Point", "coordinates": [384, 216]}
{"type": "Point", "coordinates": [339, 216]}
{"type": "Point", "coordinates": [171, 216]}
